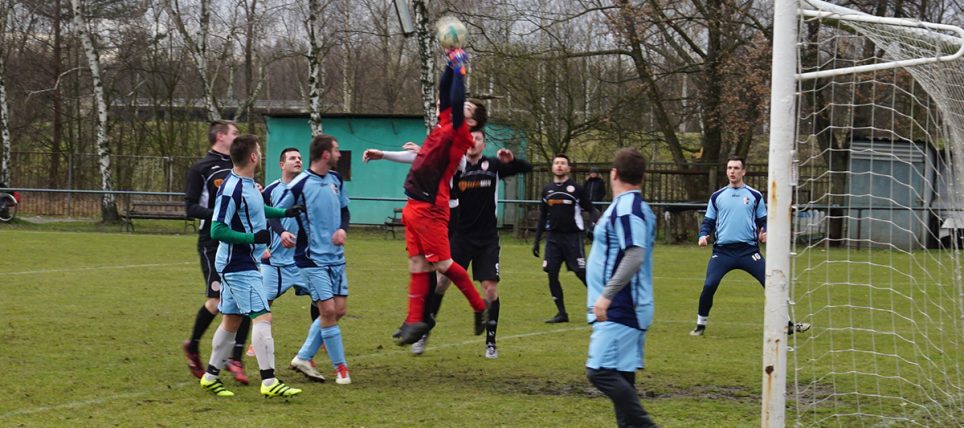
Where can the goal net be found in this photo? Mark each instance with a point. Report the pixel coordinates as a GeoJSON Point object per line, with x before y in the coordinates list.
{"type": "Point", "coordinates": [878, 215]}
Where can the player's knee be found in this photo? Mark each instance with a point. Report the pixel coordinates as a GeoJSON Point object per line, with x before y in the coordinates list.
{"type": "Point", "coordinates": [443, 266]}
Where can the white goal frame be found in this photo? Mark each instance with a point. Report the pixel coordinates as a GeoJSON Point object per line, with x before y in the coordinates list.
{"type": "Point", "coordinates": [783, 133]}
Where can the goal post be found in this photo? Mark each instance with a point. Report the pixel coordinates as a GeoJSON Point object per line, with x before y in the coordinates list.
{"type": "Point", "coordinates": [866, 201]}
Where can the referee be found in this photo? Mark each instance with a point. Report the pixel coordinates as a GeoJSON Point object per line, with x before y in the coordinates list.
{"type": "Point", "coordinates": [736, 217]}
{"type": "Point", "coordinates": [560, 213]}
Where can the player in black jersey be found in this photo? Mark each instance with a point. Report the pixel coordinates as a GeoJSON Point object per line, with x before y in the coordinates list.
{"type": "Point", "coordinates": [203, 180]}
{"type": "Point", "coordinates": [475, 238]}
{"type": "Point", "coordinates": [560, 214]}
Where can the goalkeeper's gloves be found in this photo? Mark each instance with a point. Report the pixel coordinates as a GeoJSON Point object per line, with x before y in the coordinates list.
{"type": "Point", "coordinates": [458, 58]}
{"type": "Point", "coordinates": [294, 211]}
{"type": "Point", "coordinates": [262, 237]}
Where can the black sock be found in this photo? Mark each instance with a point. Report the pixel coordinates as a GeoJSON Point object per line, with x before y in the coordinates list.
{"type": "Point", "coordinates": [428, 314]}
{"type": "Point", "coordinates": [267, 374]}
{"type": "Point", "coordinates": [237, 354]}
{"type": "Point", "coordinates": [201, 324]}
{"type": "Point", "coordinates": [214, 371]}
{"type": "Point", "coordinates": [555, 289]}
{"type": "Point", "coordinates": [314, 312]}
{"type": "Point", "coordinates": [493, 323]}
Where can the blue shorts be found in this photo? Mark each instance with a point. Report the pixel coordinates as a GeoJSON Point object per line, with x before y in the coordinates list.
{"type": "Point", "coordinates": [279, 279]}
{"type": "Point", "coordinates": [242, 293]}
{"type": "Point", "coordinates": [616, 346]}
{"type": "Point", "coordinates": [326, 282]}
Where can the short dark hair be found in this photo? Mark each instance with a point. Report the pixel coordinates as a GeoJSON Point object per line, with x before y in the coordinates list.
{"type": "Point", "coordinates": [320, 144]}
{"type": "Point", "coordinates": [219, 127]}
{"type": "Point", "coordinates": [561, 155]}
{"type": "Point", "coordinates": [242, 148]}
{"type": "Point", "coordinates": [737, 158]}
{"type": "Point", "coordinates": [286, 150]}
{"type": "Point", "coordinates": [630, 166]}
{"type": "Point", "coordinates": [481, 114]}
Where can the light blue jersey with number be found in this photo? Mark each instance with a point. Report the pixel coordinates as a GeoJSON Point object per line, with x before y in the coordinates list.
{"type": "Point", "coordinates": [628, 222]}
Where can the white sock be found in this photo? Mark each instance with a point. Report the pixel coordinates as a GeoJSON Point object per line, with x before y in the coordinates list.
{"type": "Point", "coordinates": [700, 320]}
{"type": "Point", "coordinates": [263, 344]}
{"type": "Point", "coordinates": [221, 346]}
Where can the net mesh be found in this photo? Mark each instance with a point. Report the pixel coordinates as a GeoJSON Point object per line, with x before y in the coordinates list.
{"type": "Point", "coordinates": [876, 233]}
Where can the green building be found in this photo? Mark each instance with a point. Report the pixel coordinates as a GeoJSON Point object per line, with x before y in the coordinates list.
{"type": "Point", "coordinates": [376, 188]}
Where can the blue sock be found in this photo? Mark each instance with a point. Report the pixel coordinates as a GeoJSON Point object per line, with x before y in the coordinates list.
{"type": "Point", "coordinates": [312, 342]}
{"type": "Point", "coordinates": [336, 351]}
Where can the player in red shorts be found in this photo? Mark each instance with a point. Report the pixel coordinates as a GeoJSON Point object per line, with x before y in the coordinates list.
{"type": "Point", "coordinates": [426, 214]}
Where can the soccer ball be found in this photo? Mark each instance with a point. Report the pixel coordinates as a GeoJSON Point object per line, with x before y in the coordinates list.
{"type": "Point", "coordinates": [451, 32]}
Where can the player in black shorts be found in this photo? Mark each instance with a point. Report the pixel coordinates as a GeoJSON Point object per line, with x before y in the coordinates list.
{"type": "Point", "coordinates": [203, 180]}
{"type": "Point", "coordinates": [475, 235]}
{"type": "Point", "coordinates": [560, 214]}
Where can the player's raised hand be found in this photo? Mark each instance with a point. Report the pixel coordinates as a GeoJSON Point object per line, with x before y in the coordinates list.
{"type": "Point", "coordinates": [704, 240]}
{"type": "Point", "coordinates": [458, 58]}
{"type": "Point", "coordinates": [505, 155]}
{"type": "Point", "coordinates": [339, 237]}
{"type": "Point", "coordinates": [412, 147]}
{"type": "Point", "coordinates": [372, 154]}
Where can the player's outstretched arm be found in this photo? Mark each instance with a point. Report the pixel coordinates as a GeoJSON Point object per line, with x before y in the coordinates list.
{"type": "Point", "coordinates": [224, 233]}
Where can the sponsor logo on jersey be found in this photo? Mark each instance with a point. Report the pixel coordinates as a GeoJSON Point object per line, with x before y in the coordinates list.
{"type": "Point", "coordinates": [465, 184]}
{"type": "Point", "coordinates": [552, 202]}
{"type": "Point", "coordinates": [218, 181]}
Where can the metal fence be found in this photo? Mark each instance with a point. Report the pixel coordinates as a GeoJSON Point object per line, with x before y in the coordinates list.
{"type": "Point", "coordinates": [81, 171]}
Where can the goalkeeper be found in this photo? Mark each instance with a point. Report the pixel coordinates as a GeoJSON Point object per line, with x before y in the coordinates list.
{"type": "Point", "coordinates": [426, 214]}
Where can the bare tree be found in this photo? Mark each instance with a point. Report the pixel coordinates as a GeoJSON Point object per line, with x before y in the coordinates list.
{"type": "Point", "coordinates": [425, 34]}
{"type": "Point", "coordinates": [197, 46]}
{"type": "Point", "coordinates": [4, 110]}
{"type": "Point", "coordinates": [108, 204]}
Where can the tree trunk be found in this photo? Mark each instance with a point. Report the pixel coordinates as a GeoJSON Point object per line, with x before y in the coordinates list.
{"type": "Point", "coordinates": [314, 65]}
{"type": "Point", "coordinates": [108, 205]}
{"type": "Point", "coordinates": [57, 122]}
{"type": "Point", "coordinates": [426, 46]}
{"type": "Point", "coordinates": [4, 110]}
{"type": "Point", "coordinates": [5, 165]}
{"type": "Point", "coordinates": [712, 117]}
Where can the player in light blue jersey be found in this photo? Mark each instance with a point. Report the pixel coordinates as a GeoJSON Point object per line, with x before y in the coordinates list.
{"type": "Point", "coordinates": [736, 218]}
{"type": "Point", "coordinates": [619, 282]}
{"type": "Point", "coordinates": [279, 270]}
{"type": "Point", "coordinates": [320, 250]}
{"type": "Point", "coordinates": [239, 224]}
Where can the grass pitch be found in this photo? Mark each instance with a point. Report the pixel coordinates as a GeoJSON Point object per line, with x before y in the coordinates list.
{"type": "Point", "coordinates": [92, 325]}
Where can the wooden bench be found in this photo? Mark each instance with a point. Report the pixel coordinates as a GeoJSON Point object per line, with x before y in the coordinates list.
{"type": "Point", "coordinates": [157, 210]}
{"type": "Point", "coordinates": [392, 222]}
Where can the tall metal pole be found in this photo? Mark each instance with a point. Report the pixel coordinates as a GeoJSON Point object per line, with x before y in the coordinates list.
{"type": "Point", "coordinates": [782, 134]}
